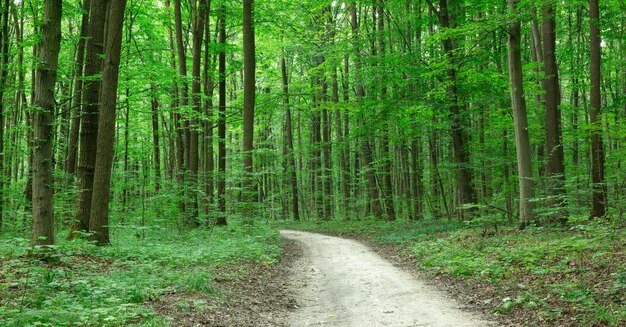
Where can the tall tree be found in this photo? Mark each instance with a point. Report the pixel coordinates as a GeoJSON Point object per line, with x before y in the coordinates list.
{"type": "Point", "coordinates": [154, 104]}
{"type": "Point", "coordinates": [555, 169]}
{"type": "Point", "coordinates": [89, 114]}
{"type": "Point", "coordinates": [522, 138]}
{"type": "Point", "coordinates": [221, 121]}
{"type": "Point", "coordinates": [43, 113]}
{"type": "Point", "coordinates": [78, 89]}
{"type": "Point", "coordinates": [249, 77]}
{"type": "Point", "coordinates": [466, 192]}
{"type": "Point", "coordinates": [598, 203]}
{"type": "Point", "coordinates": [387, 178]}
{"type": "Point", "coordinates": [99, 222]}
{"type": "Point", "coordinates": [198, 33]}
{"type": "Point", "coordinates": [289, 150]}
{"type": "Point", "coordinates": [4, 71]}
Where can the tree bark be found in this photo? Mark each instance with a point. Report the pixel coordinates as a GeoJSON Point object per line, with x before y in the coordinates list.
{"type": "Point", "coordinates": [390, 213]}
{"type": "Point", "coordinates": [43, 116]}
{"type": "Point", "coordinates": [598, 203]}
{"type": "Point", "coordinates": [78, 90]}
{"type": "Point", "coordinates": [4, 69]}
{"type": "Point", "coordinates": [209, 162]}
{"type": "Point", "coordinates": [89, 119]}
{"type": "Point", "coordinates": [198, 32]}
{"type": "Point", "coordinates": [555, 170]}
{"type": "Point", "coordinates": [249, 73]}
{"type": "Point", "coordinates": [155, 140]}
{"type": "Point", "coordinates": [467, 194]}
{"type": "Point", "coordinates": [99, 222]}
{"type": "Point", "coordinates": [221, 124]}
{"type": "Point", "coordinates": [522, 139]}
{"type": "Point", "coordinates": [290, 154]}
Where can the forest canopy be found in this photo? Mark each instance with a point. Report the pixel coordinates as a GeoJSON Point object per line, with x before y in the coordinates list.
{"type": "Point", "coordinates": [197, 112]}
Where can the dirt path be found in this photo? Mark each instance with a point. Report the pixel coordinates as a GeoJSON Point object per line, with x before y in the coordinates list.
{"type": "Point", "coordinates": [340, 282]}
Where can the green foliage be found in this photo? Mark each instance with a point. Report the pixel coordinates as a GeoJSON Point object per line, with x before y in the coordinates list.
{"type": "Point", "coordinates": [112, 286]}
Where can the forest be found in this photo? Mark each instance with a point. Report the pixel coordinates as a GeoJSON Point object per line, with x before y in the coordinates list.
{"type": "Point", "coordinates": [483, 141]}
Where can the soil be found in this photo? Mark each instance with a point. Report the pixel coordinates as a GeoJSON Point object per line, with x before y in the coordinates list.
{"type": "Point", "coordinates": [328, 281]}
{"type": "Point", "coordinates": [342, 282]}
{"type": "Point", "coordinates": [250, 294]}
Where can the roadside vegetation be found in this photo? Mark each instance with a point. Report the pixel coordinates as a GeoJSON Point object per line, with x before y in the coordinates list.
{"type": "Point", "coordinates": [80, 284]}
{"type": "Point", "coordinates": [573, 274]}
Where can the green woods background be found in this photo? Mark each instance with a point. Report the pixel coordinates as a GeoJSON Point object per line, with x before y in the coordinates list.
{"type": "Point", "coordinates": [136, 122]}
{"type": "Point", "coordinates": [392, 109]}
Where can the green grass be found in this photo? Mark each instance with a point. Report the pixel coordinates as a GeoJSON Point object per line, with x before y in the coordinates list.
{"type": "Point", "coordinates": [111, 286]}
{"type": "Point", "coordinates": [556, 273]}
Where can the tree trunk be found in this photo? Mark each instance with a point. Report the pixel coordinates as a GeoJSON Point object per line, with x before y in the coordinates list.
{"type": "Point", "coordinates": [221, 124]}
{"type": "Point", "coordinates": [249, 84]}
{"type": "Point", "coordinates": [291, 161]}
{"type": "Point", "coordinates": [555, 171]}
{"type": "Point", "coordinates": [467, 194]}
{"type": "Point", "coordinates": [198, 32]}
{"type": "Point", "coordinates": [99, 222]}
{"type": "Point", "coordinates": [417, 184]}
{"type": "Point", "coordinates": [45, 80]}
{"type": "Point", "coordinates": [209, 161]}
{"type": "Point", "coordinates": [4, 69]}
{"type": "Point", "coordinates": [598, 204]}
{"type": "Point", "coordinates": [155, 140]}
{"type": "Point", "coordinates": [522, 139]}
{"type": "Point", "coordinates": [78, 90]}
{"type": "Point", "coordinates": [387, 178]}
{"type": "Point", "coordinates": [89, 119]}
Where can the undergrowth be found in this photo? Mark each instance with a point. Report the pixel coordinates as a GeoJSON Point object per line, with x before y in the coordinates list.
{"type": "Point", "coordinates": [82, 284]}
{"type": "Point", "coordinates": [555, 275]}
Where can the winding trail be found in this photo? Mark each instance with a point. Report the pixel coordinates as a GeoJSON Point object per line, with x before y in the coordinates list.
{"type": "Point", "coordinates": [341, 282]}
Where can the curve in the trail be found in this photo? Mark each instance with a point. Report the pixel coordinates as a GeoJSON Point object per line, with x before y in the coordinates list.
{"type": "Point", "coordinates": [341, 282]}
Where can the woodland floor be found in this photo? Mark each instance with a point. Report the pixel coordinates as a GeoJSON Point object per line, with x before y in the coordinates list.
{"type": "Point", "coordinates": [302, 290]}
{"type": "Point", "coordinates": [278, 296]}
{"type": "Point", "coordinates": [252, 294]}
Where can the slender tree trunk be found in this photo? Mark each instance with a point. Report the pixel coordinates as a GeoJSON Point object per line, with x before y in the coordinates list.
{"type": "Point", "coordinates": [89, 119]}
{"type": "Point", "coordinates": [78, 90]}
{"type": "Point", "coordinates": [387, 178]}
{"type": "Point", "coordinates": [417, 185]}
{"type": "Point", "coordinates": [43, 183]}
{"type": "Point", "coordinates": [198, 32]}
{"type": "Point", "coordinates": [221, 124]}
{"type": "Point", "coordinates": [248, 104]}
{"type": "Point", "coordinates": [4, 63]}
{"type": "Point", "coordinates": [155, 140]}
{"type": "Point", "coordinates": [209, 162]}
{"type": "Point", "coordinates": [177, 130]}
{"type": "Point", "coordinates": [598, 204]}
{"type": "Point", "coordinates": [522, 139]}
{"type": "Point", "coordinates": [466, 190]}
{"type": "Point", "coordinates": [183, 92]}
{"type": "Point", "coordinates": [290, 154]}
{"type": "Point", "coordinates": [99, 222]}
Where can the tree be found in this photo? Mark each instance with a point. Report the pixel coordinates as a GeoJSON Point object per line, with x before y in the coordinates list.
{"type": "Point", "coordinates": [466, 192]}
{"type": "Point", "coordinates": [289, 150]}
{"type": "Point", "coordinates": [555, 169]}
{"type": "Point", "coordinates": [249, 73]}
{"type": "Point", "coordinates": [99, 222]}
{"type": "Point", "coordinates": [89, 115]}
{"type": "Point", "coordinates": [4, 72]}
{"type": "Point", "coordinates": [221, 122]}
{"type": "Point", "coordinates": [78, 89]}
{"type": "Point", "coordinates": [598, 203]}
{"type": "Point", "coordinates": [43, 113]}
{"type": "Point", "coordinates": [522, 138]}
